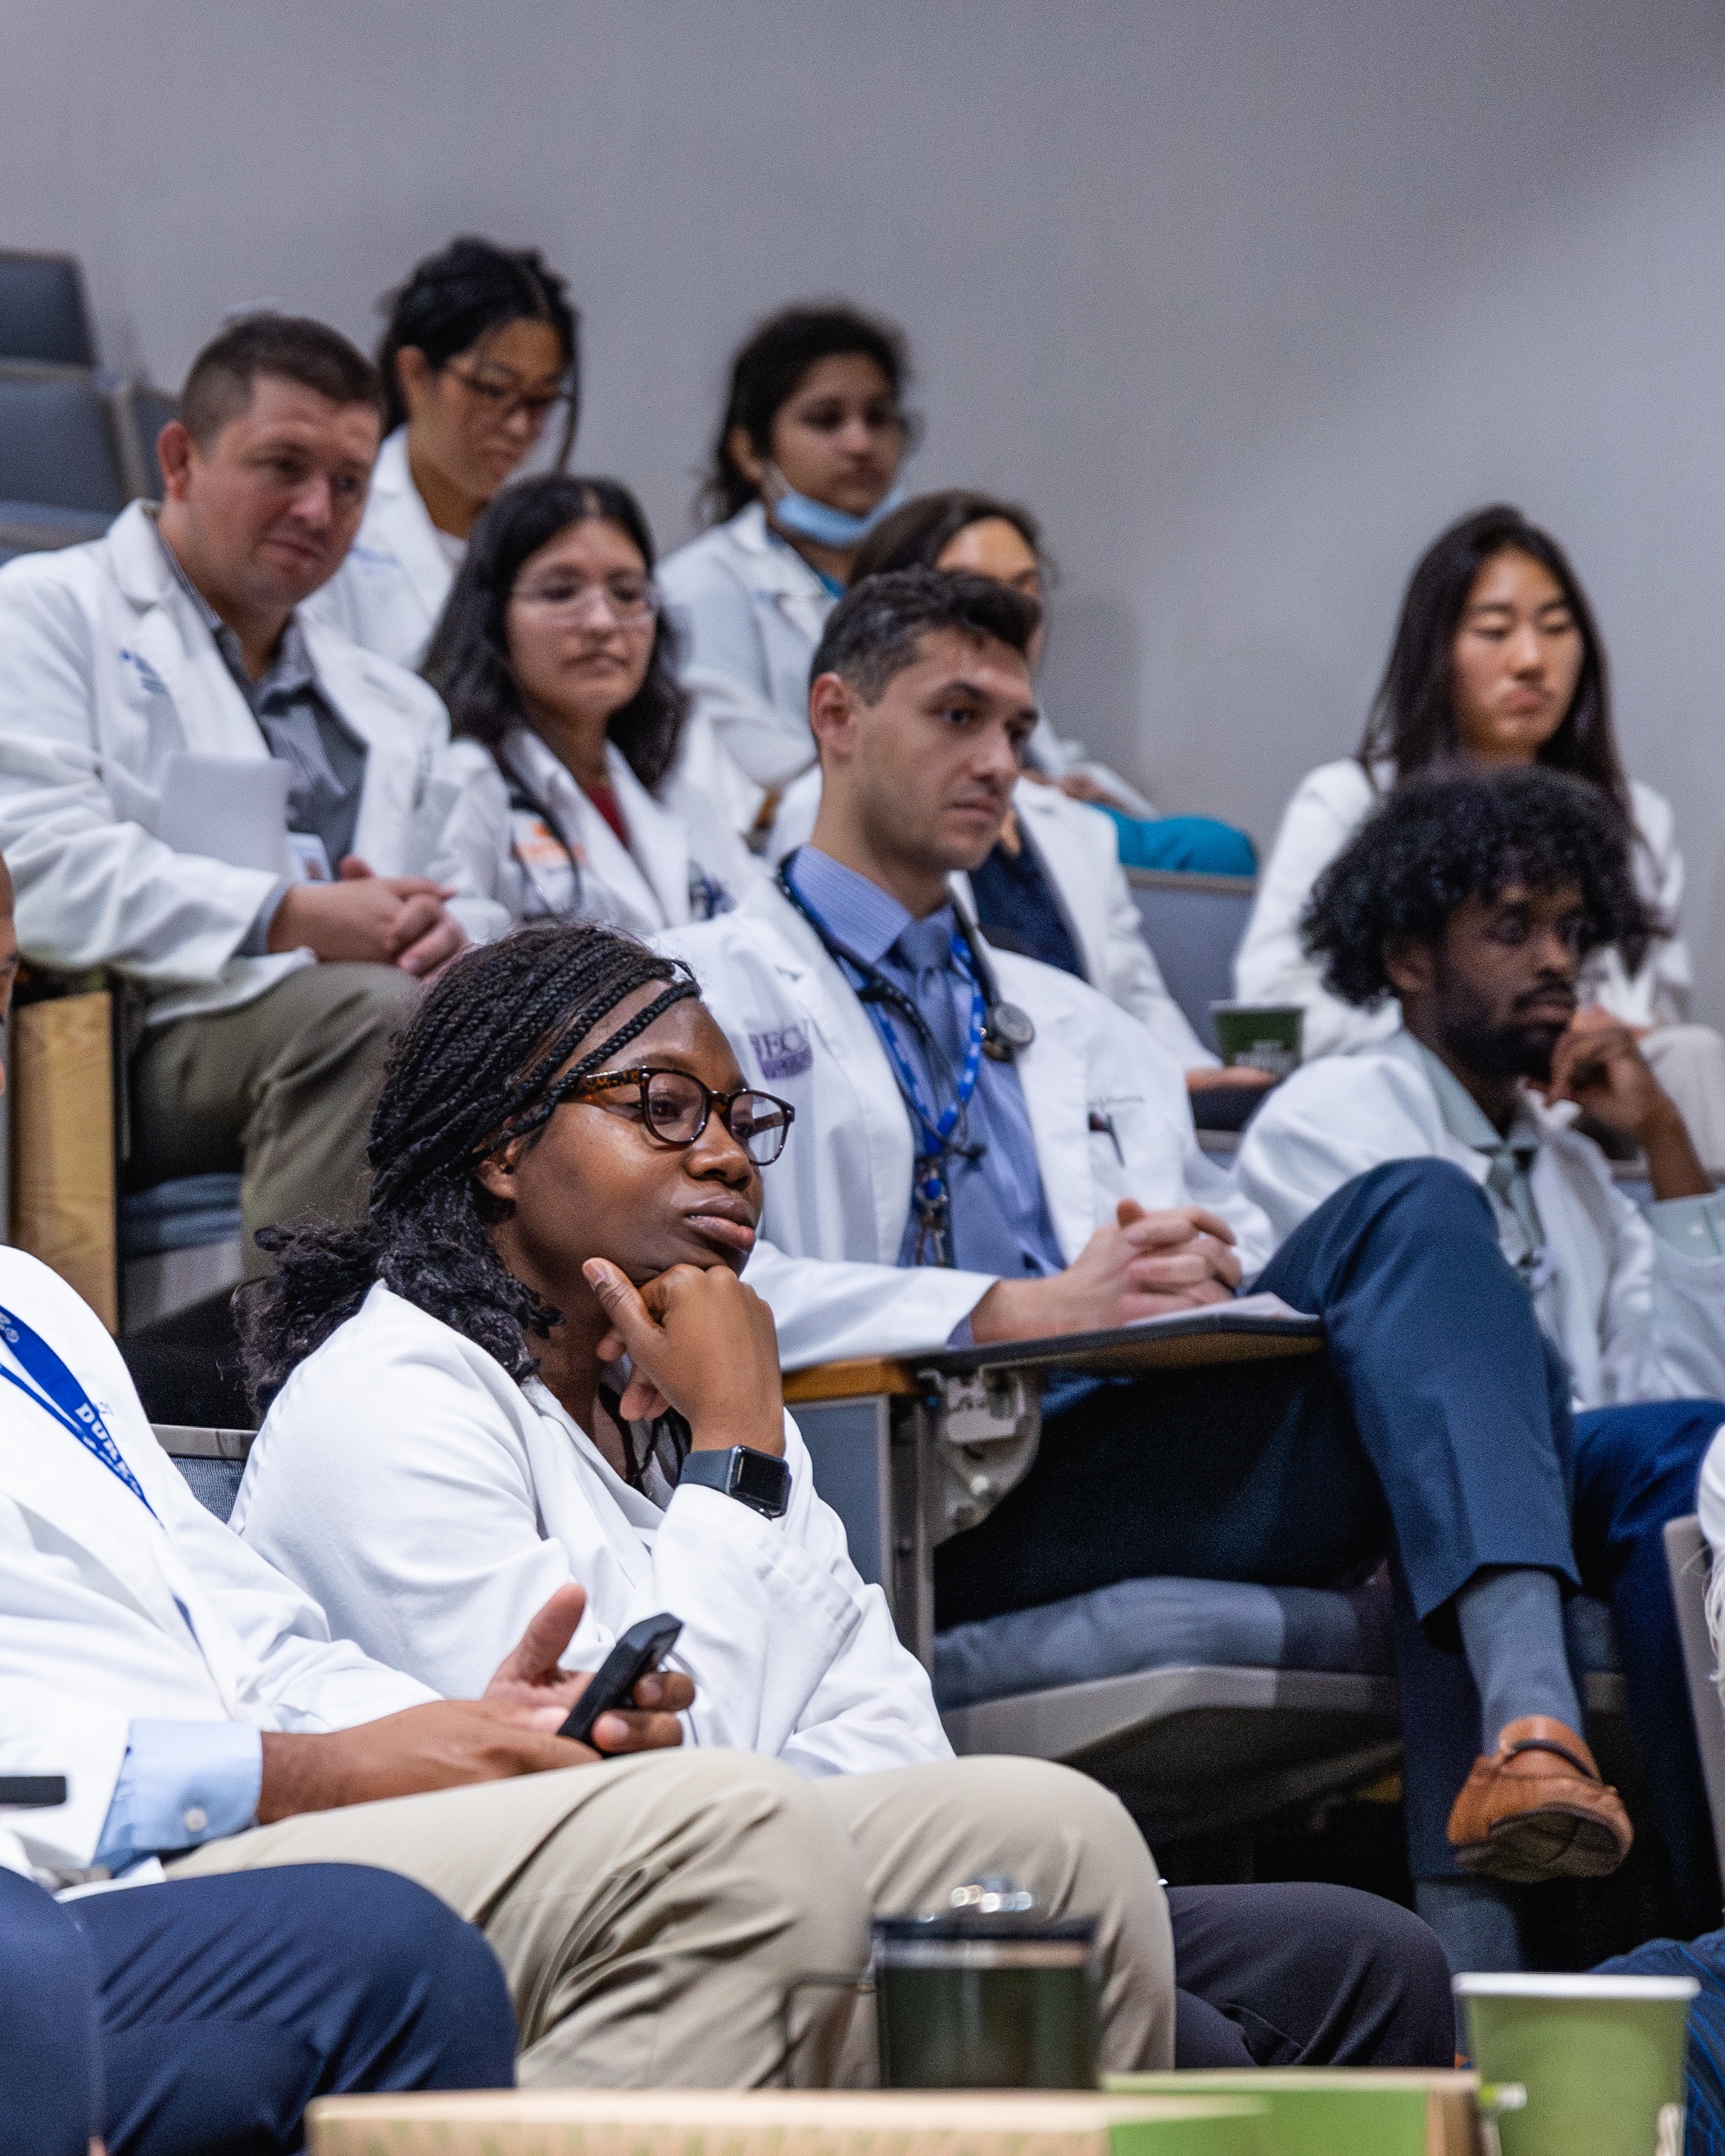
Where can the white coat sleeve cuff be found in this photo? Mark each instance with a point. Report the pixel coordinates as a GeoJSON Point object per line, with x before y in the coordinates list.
{"type": "Point", "coordinates": [182, 1783]}
{"type": "Point", "coordinates": [1695, 1226]}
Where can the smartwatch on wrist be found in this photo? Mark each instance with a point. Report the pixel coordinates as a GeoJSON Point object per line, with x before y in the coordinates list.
{"type": "Point", "coordinates": [754, 1478]}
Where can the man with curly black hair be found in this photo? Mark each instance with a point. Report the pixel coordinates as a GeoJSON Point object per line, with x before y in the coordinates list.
{"type": "Point", "coordinates": [1478, 899]}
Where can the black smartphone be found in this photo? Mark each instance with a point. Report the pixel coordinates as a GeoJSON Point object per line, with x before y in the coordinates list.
{"type": "Point", "coordinates": [640, 1650]}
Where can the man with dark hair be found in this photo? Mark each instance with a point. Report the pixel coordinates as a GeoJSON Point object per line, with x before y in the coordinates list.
{"type": "Point", "coordinates": [1478, 899]}
{"type": "Point", "coordinates": [146, 681]}
{"type": "Point", "coordinates": [985, 1149]}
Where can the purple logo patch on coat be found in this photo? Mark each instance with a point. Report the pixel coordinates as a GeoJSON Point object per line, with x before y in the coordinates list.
{"type": "Point", "coordinates": [785, 1054]}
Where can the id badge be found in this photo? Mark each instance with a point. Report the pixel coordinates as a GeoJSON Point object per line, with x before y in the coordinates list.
{"type": "Point", "coordinates": [311, 861]}
{"type": "Point", "coordinates": [546, 861]}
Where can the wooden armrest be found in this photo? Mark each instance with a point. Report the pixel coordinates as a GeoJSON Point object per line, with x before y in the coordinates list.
{"type": "Point", "coordinates": [853, 1378]}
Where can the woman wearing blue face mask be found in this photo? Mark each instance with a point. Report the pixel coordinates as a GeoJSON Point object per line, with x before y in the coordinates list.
{"type": "Point", "coordinates": [805, 464]}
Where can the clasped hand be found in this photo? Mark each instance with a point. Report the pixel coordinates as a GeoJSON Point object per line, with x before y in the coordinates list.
{"type": "Point", "coordinates": [387, 921]}
{"type": "Point", "coordinates": [1146, 1264]}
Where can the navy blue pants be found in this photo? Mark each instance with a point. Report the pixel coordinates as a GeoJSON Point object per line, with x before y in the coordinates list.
{"type": "Point", "coordinates": [200, 2017]}
{"type": "Point", "coordinates": [1632, 1469]}
{"type": "Point", "coordinates": [1437, 1427]}
{"type": "Point", "coordinates": [1704, 2071]}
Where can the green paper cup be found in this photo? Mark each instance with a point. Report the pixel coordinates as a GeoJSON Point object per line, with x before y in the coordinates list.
{"type": "Point", "coordinates": [1581, 2063]}
{"type": "Point", "coordinates": [1262, 1036]}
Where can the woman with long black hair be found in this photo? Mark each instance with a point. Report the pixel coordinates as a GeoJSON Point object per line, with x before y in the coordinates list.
{"type": "Point", "coordinates": [480, 357]}
{"type": "Point", "coordinates": [555, 658]}
{"type": "Point", "coordinates": [1498, 661]}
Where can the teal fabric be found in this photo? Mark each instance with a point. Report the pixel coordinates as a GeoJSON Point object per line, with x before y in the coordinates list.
{"type": "Point", "coordinates": [1189, 845]}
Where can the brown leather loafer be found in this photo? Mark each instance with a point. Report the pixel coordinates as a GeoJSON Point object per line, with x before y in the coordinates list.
{"type": "Point", "coordinates": [1538, 1810]}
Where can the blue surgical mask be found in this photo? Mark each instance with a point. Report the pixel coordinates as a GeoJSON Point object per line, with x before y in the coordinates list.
{"type": "Point", "coordinates": [819, 521]}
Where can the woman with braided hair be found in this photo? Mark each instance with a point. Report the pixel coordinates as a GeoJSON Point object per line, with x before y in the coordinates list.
{"type": "Point", "coordinates": [568, 1171]}
{"type": "Point", "coordinates": [565, 1168]}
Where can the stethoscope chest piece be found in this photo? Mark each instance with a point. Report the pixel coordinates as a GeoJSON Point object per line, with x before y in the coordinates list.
{"type": "Point", "coordinates": [1010, 1029]}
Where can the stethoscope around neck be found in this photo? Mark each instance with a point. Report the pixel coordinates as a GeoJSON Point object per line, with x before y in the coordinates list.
{"type": "Point", "coordinates": [1006, 1027]}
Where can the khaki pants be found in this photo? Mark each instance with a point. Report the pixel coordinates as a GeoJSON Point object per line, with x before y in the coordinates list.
{"type": "Point", "coordinates": [649, 1913]}
{"type": "Point", "coordinates": [282, 1088]}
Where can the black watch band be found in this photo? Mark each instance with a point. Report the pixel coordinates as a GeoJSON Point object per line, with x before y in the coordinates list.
{"type": "Point", "coordinates": [754, 1478]}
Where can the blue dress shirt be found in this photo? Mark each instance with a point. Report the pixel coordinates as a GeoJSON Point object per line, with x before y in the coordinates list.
{"type": "Point", "coordinates": [1000, 1221]}
{"type": "Point", "coordinates": [181, 1782]}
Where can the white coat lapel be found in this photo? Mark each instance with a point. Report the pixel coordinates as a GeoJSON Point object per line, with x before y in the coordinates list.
{"type": "Point", "coordinates": [172, 642]}
{"type": "Point", "coordinates": [858, 1062]}
{"type": "Point", "coordinates": [402, 523]}
{"type": "Point", "coordinates": [659, 842]}
{"type": "Point", "coordinates": [89, 1511]}
{"type": "Point", "coordinates": [1055, 1078]}
{"type": "Point", "coordinates": [399, 747]}
{"type": "Point", "coordinates": [1076, 890]}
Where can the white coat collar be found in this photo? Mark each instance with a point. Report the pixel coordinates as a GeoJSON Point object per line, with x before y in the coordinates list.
{"type": "Point", "coordinates": [398, 523]}
{"type": "Point", "coordinates": [650, 876]}
{"type": "Point", "coordinates": [775, 565]}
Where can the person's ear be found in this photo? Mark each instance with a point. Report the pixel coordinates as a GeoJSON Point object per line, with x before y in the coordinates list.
{"type": "Point", "coordinates": [176, 450]}
{"type": "Point", "coordinates": [414, 375]}
{"type": "Point", "coordinates": [832, 714]}
{"type": "Point", "coordinates": [1411, 967]}
{"type": "Point", "coordinates": [496, 1174]}
{"type": "Point", "coordinates": [746, 457]}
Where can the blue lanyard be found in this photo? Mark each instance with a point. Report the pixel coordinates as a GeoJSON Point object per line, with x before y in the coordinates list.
{"type": "Point", "coordinates": [928, 1183]}
{"type": "Point", "coordinates": [58, 1395]}
{"type": "Point", "coordinates": [940, 1127]}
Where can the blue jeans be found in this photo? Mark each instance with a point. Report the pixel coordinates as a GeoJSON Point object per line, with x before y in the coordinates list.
{"type": "Point", "coordinates": [1436, 1429]}
{"type": "Point", "coordinates": [202, 2016]}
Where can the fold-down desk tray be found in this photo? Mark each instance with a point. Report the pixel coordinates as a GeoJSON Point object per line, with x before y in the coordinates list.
{"type": "Point", "coordinates": [1190, 1340]}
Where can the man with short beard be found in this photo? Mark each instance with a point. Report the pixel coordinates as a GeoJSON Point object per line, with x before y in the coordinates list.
{"type": "Point", "coordinates": [1478, 900]}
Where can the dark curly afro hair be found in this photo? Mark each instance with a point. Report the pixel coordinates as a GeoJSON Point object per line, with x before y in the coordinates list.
{"type": "Point", "coordinates": [1439, 841]}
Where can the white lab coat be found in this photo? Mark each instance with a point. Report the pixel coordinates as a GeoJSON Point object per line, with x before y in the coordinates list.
{"type": "Point", "coordinates": [107, 669]}
{"type": "Point", "coordinates": [488, 851]}
{"type": "Point", "coordinates": [1636, 1317]}
{"type": "Point", "coordinates": [388, 593]}
{"type": "Point", "coordinates": [403, 1475]}
{"type": "Point", "coordinates": [1327, 808]}
{"type": "Point", "coordinates": [838, 1199]}
{"type": "Point", "coordinates": [749, 611]}
{"type": "Point", "coordinates": [106, 1615]}
{"type": "Point", "coordinates": [1079, 848]}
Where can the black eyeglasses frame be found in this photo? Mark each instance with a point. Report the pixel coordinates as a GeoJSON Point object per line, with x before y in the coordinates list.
{"type": "Point", "coordinates": [640, 1075]}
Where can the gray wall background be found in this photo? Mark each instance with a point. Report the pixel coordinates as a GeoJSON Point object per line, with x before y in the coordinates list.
{"type": "Point", "coordinates": [1245, 300]}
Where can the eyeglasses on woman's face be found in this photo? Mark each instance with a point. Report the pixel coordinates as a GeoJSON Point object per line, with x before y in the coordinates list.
{"type": "Point", "coordinates": [620, 602]}
{"type": "Point", "coordinates": [675, 1106]}
{"type": "Point", "coordinates": [501, 395]}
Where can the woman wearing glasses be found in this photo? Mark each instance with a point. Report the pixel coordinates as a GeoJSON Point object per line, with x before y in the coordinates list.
{"type": "Point", "coordinates": [567, 1172]}
{"type": "Point", "coordinates": [555, 659]}
{"type": "Point", "coordinates": [450, 1430]}
{"type": "Point", "coordinates": [481, 360]}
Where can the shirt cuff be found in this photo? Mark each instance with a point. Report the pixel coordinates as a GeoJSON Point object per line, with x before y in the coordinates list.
{"type": "Point", "coordinates": [1696, 1226]}
{"type": "Point", "coordinates": [181, 1783]}
{"type": "Point", "coordinates": [255, 942]}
